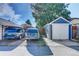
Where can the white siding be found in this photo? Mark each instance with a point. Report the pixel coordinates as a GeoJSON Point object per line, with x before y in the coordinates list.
{"type": "Point", "coordinates": [48, 31]}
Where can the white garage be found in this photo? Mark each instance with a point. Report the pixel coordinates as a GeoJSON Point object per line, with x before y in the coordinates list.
{"type": "Point", "coordinates": [61, 29]}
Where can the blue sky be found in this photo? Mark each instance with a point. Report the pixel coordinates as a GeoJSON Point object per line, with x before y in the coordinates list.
{"type": "Point", "coordinates": [25, 11]}
{"type": "Point", "coordinates": [74, 8]}
{"type": "Point", "coordinates": [19, 13]}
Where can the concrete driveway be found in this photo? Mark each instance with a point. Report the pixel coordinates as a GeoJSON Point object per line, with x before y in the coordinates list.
{"type": "Point", "coordinates": [24, 48]}
{"type": "Point", "coordinates": [13, 48]}
{"type": "Point", "coordinates": [44, 47]}
{"type": "Point", "coordinates": [63, 47]}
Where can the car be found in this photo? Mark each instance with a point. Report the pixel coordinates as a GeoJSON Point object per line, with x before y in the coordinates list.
{"type": "Point", "coordinates": [13, 33]}
{"type": "Point", "coordinates": [32, 33]}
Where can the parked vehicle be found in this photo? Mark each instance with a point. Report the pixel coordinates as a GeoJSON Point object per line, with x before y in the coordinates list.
{"type": "Point", "coordinates": [32, 33]}
{"type": "Point", "coordinates": [13, 33]}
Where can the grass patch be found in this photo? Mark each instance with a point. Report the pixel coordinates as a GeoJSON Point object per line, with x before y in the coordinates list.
{"type": "Point", "coordinates": [39, 42]}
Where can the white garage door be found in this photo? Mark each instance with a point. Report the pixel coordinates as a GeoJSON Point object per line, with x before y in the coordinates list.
{"type": "Point", "coordinates": [60, 31]}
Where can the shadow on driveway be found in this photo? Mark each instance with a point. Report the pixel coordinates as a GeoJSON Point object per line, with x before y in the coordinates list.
{"type": "Point", "coordinates": [8, 45]}
{"type": "Point", "coordinates": [38, 48]}
{"type": "Point", "coordinates": [68, 43]}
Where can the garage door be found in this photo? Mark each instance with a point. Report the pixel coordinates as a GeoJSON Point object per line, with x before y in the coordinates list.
{"type": "Point", "coordinates": [60, 31]}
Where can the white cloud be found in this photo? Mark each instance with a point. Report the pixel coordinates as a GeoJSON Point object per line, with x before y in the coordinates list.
{"type": "Point", "coordinates": [16, 17]}
{"type": "Point", "coordinates": [5, 9]}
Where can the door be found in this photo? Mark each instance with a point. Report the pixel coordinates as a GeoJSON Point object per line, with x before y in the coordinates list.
{"type": "Point", "coordinates": [60, 31]}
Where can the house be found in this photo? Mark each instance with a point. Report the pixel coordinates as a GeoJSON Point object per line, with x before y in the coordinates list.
{"type": "Point", "coordinates": [75, 28]}
{"type": "Point", "coordinates": [59, 29]}
{"type": "Point", "coordinates": [3, 24]}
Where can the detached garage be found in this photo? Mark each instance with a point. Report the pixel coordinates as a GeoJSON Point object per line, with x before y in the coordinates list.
{"type": "Point", "coordinates": [61, 29]}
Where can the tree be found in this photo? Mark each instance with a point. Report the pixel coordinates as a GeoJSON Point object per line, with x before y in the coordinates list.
{"type": "Point", "coordinates": [28, 22]}
{"type": "Point", "coordinates": [45, 13]}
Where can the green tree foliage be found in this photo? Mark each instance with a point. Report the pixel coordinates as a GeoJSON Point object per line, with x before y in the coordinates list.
{"type": "Point", "coordinates": [46, 12]}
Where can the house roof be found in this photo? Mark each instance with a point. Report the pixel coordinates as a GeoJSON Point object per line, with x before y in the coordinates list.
{"type": "Point", "coordinates": [75, 21]}
{"type": "Point", "coordinates": [7, 23]}
{"type": "Point", "coordinates": [74, 18]}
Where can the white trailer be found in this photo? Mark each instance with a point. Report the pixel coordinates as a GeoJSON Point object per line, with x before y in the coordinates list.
{"type": "Point", "coordinates": [32, 33]}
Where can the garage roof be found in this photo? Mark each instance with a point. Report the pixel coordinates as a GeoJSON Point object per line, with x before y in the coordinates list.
{"type": "Point", "coordinates": [7, 23]}
{"type": "Point", "coordinates": [60, 20]}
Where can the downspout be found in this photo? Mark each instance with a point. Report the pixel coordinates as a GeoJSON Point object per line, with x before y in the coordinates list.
{"type": "Point", "coordinates": [51, 31]}
{"type": "Point", "coordinates": [2, 32]}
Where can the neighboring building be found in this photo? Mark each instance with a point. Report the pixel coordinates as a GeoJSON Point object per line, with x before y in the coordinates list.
{"type": "Point", "coordinates": [25, 26]}
{"type": "Point", "coordinates": [75, 28]}
{"type": "Point", "coordinates": [59, 29]}
{"type": "Point", "coordinates": [3, 24]}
